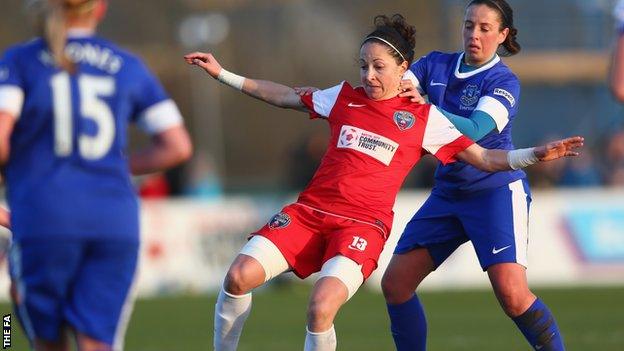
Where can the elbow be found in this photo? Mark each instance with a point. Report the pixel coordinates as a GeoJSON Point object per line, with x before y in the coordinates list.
{"type": "Point", "coordinates": [618, 92]}
{"type": "Point", "coordinates": [183, 151]}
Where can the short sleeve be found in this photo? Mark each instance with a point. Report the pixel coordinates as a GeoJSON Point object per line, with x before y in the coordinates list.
{"type": "Point", "coordinates": [155, 111]}
{"type": "Point", "coordinates": [11, 86]}
{"type": "Point", "coordinates": [417, 73]}
{"type": "Point", "coordinates": [321, 102]}
{"type": "Point", "coordinates": [500, 100]}
{"type": "Point", "coordinates": [441, 138]}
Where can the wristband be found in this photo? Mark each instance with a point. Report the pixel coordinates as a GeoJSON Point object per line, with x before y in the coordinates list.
{"type": "Point", "coordinates": [521, 158]}
{"type": "Point", "coordinates": [231, 79]}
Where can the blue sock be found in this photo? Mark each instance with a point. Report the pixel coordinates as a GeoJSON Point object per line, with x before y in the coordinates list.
{"type": "Point", "coordinates": [539, 328]}
{"type": "Point", "coordinates": [408, 325]}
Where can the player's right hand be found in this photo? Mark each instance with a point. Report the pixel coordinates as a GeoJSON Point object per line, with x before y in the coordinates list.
{"type": "Point", "coordinates": [559, 148]}
{"type": "Point", "coordinates": [205, 61]}
{"type": "Point", "coordinates": [409, 90]}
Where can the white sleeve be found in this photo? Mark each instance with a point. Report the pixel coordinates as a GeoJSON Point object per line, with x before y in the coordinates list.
{"type": "Point", "coordinates": [160, 117]}
{"type": "Point", "coordinates": [496, 109]}
{"type": "Point", "coordinates": [11, 99]}
{"type": "Point", "coordinates": [439, 132]}
{"type": "Point", "coordinates": [323, 101]}
{"type": "Point", "coordinates": [411, 76]}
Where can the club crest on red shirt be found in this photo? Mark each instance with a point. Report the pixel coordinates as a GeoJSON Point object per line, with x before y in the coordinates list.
{"type": "Point", "coordinates": [280, 220]}
{"type": "Point", "coordinates": [404, 120]}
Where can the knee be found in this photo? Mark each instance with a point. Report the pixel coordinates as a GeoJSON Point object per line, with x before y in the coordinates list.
{"type": "Point", "coordinates": [514, 301]}
{"type": "Point", "coordinates": [395, 290]}
{"type": "Point", "coordinates": [238, 280]}
{"type": "Point", "coordinates": [320, 313]}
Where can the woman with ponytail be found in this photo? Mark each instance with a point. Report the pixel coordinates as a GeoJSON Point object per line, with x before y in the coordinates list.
{"type": "Point", "coordinates": [66, 99]}
{"type": "Point", "coordinates": [480, 95]}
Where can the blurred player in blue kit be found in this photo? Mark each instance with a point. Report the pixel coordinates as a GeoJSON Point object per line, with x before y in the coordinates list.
{"type": "Point", "coordinates": [66, 99]}
{"type": "Point", "coordinates": [480, 95]}
{"type": "Point", "coordinates": [616, 74]}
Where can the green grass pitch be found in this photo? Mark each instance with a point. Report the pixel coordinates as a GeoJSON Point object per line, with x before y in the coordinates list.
{"type": "Point", "coordinates": [590, 318]}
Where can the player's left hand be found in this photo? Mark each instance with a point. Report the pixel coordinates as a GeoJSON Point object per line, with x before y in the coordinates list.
{"type": "Point", "coordinates": [559, 148]}
{"type": "Point", "coordinates": [409, 90]}
{"type": "Point", "coordinates": [302, 91]}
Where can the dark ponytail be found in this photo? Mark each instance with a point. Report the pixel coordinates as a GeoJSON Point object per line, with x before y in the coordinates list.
{"type": "Point", "coordinates": [396, 31]}
{"type": "Point", "coordinates": [510, 46]}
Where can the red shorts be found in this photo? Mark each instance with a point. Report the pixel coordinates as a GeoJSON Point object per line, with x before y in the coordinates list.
{"type": "Point", "coordinates": [308, 238]}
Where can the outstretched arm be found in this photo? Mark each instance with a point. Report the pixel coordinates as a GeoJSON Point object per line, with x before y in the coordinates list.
{"type": "Point", "coordinates": [270, 92]}
{"type": "Point", "coordinates": [503, 160]}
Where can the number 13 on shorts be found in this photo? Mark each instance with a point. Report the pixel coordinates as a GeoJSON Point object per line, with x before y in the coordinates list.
{"type": "Point", "coordinates": [358, 243]}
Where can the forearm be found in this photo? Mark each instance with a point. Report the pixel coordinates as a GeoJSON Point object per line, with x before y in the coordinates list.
{"type": "Point", "coordinates": [476, 126]}
{"type": "Point", "coordinates": [270, 92]}
{"type": "Point", "coordinates": [498, 160]}
{"type": "Point", "coordinates": [273, 93]}
{"type": "Point", "coordinates": [616, 76]}
{"type": "Point", "coordinates": [167, 150]}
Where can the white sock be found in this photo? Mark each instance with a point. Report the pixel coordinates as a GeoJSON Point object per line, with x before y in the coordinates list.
{"type": "Point", "coordinates": [323, 341]}
{"type": "Point", "coordinates": [231, 311]}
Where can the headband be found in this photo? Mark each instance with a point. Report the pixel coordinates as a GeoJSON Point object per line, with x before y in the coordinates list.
{"type": "Point", "coordinates": [385, 41]}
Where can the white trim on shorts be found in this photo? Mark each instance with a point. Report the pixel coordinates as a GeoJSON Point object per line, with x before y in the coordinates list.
{"type": "Point", "coordinates": [346, 270]}
{"type": "Point", "coordinates": [267, 254]}
{"type": "Point", "coordinates": [520, 221]}
{"type": "Point", "coordinates": [15, 256]}
{"type": "Point", "coordinates": [126, 311]}
{"type": "Point", "coordinates": [380, 228]}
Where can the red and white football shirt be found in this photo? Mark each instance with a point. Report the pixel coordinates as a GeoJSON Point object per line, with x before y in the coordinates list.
{"type": "Point", "coordinates": [372, 148]}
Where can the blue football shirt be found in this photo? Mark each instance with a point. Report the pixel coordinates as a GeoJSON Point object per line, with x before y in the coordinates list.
{"type": "Point", "coordinates": [67, 173]}
{"type": "Point", "coordinates": [493, 89]}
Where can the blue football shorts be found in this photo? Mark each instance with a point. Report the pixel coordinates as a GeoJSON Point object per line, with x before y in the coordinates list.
{"type": "Point", "coordinates": [494, 220]}
{"type": "Point", "coordinates": [84, 284]}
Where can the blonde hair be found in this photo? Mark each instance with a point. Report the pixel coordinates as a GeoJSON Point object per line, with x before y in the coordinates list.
{"type": "Point", "coordinates": [52, 16]}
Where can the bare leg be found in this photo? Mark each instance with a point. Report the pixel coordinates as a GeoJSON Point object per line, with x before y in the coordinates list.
{"type": "Point", "coordinates": [530, 314]}
{"type": "Point", "coordinates": [328, 295]}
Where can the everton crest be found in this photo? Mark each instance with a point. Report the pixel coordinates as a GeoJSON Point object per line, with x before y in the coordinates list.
{"type": "Point", "coordinates": [404, 120]}
{"type": "Point", "coordinates": [470, 95]}
{"type": "Point", "coordinates": [280, 220]}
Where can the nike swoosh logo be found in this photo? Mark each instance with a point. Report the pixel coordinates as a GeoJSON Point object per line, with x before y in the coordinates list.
{"type": "Point", "coordinates": [355, 105]}
{"type": "Point", "coordinates": [495, 250]}
{"type": "Point", "coordinates": [433, 84]}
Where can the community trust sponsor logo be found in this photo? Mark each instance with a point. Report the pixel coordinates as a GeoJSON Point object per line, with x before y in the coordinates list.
{"type": "Point", "coordinates": [380, 148]}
